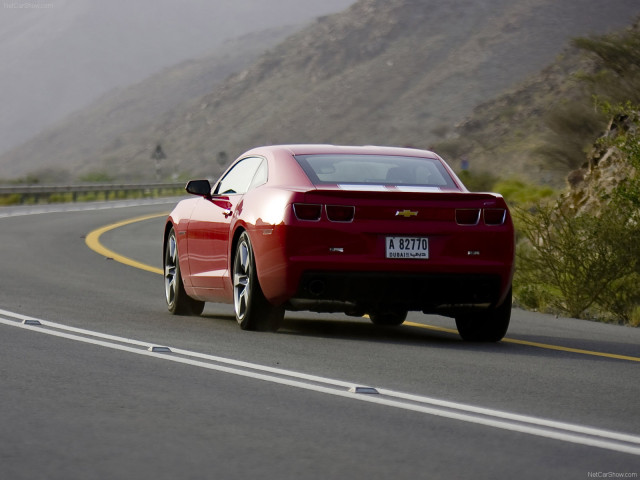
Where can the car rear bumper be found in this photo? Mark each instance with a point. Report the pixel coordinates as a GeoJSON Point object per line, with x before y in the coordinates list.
{"type": "Point", "coordinates": [368, 291]}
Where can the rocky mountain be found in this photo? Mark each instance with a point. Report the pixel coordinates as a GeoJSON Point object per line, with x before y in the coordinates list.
{"type": "Point", "coordinates": [396, 72]}
{"type": "Point", "coordinates": [606, 168]}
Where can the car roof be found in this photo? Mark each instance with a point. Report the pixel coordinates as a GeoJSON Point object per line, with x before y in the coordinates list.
{"type": "Point", "coordinates": [311, 149]}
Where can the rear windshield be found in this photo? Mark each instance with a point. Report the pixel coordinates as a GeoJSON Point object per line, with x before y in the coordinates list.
{"type": "Point", "coordinates": [375, 170]}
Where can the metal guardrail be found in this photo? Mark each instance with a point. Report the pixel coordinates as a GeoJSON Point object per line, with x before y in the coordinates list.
{"type": "Point", "coordinates": [48, 193]}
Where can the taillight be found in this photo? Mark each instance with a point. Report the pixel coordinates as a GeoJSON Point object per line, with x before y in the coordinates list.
{"type": "Point", "coordinates": [467, 216]}
{"type": "Point", "coordinates": [307, 211]}
{"type": "Point", "coordinates": [494, 216]}
{"type": "Point", "coordinates": [340, 213]}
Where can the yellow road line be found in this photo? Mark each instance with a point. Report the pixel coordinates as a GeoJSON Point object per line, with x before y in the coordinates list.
{"type": "Point", "coordinates": [534, 344]}
{"type": "Point", "coordinates": [572, 350]}
{"type": "Point", "coordinates": [431, 327]}
{"type": "Point", "coordinates": [93, 242]}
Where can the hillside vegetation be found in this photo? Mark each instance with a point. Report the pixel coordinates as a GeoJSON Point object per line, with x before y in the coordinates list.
{"type": "Point", "coordinates": [395, 72]}
{"type": "Point", "coordinates": [579, 255]}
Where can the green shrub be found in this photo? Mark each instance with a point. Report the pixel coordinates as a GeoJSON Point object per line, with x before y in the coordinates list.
{"type": "Point", "coordinates": [575, 263]}
{"type": "Point", "coordinates": [59, 198]}
{"type": "Point", "coordinates": [634, 321]}
{"type": "Point", "coordinates": [623, 298]}
{"type": "Point", "coordinates": [12, 199]}
{"type": "Point", "coordinates": [517, 192]}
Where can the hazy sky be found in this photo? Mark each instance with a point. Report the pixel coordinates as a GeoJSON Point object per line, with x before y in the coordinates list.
{"type": "Point", "coordinates": [58, 55]}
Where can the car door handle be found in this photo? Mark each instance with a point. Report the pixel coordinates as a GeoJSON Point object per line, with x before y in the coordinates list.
{"type": "Point", "coordinates": [227, 213]}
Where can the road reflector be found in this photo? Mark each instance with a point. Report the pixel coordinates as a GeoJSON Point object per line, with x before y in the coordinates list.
{"type": "Point", "coordinates": [365, 390]}
{"type": "Point", "coordinates": [33, 323]}
{"type": "Point", "coordinates": [156, 349]}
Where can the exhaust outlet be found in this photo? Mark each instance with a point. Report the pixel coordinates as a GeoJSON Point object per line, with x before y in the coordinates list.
{"type": "Point", "coordinates": [316, 287]}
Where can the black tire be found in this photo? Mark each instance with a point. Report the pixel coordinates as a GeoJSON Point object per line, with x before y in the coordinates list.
{"type": "Point", "coordinates": [253, 311]}
{"type": "Point", "coordinates": [178, 302]}
{"type": "Point", "coordinates": [487, 326]}
{"type": "Point", "coordinates": [389, 318]}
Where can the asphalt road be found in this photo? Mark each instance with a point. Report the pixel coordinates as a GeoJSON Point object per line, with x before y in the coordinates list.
{"type": "Point", "coordinates": [82, 397]}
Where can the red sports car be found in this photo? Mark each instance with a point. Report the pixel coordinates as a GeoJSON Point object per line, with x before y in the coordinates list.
{"type": "Point", "coordinates": [375, 231]}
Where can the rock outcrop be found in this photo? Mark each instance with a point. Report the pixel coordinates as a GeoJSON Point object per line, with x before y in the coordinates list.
{"type": "Point", "coordinates": [605, 169]}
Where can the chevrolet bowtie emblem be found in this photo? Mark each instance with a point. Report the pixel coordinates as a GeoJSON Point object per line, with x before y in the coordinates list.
{"type": "Point", "coordinates": [406, 213]}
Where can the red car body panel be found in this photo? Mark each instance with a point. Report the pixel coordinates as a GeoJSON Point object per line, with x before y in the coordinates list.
{"type": "Point", "coordinates": [301, 261]}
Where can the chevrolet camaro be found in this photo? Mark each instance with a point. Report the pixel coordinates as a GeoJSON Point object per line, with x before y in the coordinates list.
{"type": "Point", "coordinates": [367, 231]}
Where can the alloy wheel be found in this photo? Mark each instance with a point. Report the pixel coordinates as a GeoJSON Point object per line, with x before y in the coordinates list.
{"type": "Point", "coordinates": [242, 281]}
{"type": "Point", "coordinates": [170, 269]}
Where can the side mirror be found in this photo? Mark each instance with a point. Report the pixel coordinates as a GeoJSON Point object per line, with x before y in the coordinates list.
{"type": "Point", "coordinates": [201, 188]}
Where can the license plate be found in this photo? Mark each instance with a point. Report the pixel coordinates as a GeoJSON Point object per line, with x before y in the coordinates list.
{"type": "Point", "coordinates": [416, 248]}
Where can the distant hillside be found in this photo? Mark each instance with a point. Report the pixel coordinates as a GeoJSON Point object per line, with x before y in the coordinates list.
{"type": "Point", "coordinates": [543, 128]}
{"type": "Point", "coordinates": [383, 72]}
{"type": "Point", "coordinates": [501, 136]}
{"type": "Point", "coordinates": [91, 131]}
{"type": "Point", "coordinates": [59, 55]}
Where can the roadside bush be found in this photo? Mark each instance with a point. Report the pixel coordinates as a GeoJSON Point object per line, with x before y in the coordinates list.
{"type": "Point", "coordinates": [13, 199]}
{"type": "Point", "coordinates": [623, 299]}
{"type": "Point", "coordinates": [573, 264]}
{"type": "Point", "coordinates": [517, 192]}
{"type": "Point", "coordinates": [59, 198]}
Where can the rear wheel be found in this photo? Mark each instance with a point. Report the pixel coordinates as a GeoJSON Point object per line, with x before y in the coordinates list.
{"type": "Point", "coordinates": [253, 310]}
{"type": "Point", "coordinates": [178, 302]}
{"type": "Point", "coordinates": [486, 326]}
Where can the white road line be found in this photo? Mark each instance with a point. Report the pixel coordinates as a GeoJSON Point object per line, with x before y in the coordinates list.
{"type": "Point", "coordinates": [578, 434]}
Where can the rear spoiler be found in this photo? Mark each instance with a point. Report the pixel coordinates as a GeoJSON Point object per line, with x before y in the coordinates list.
{"type": "Point", "coordinates": [400, 193]}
